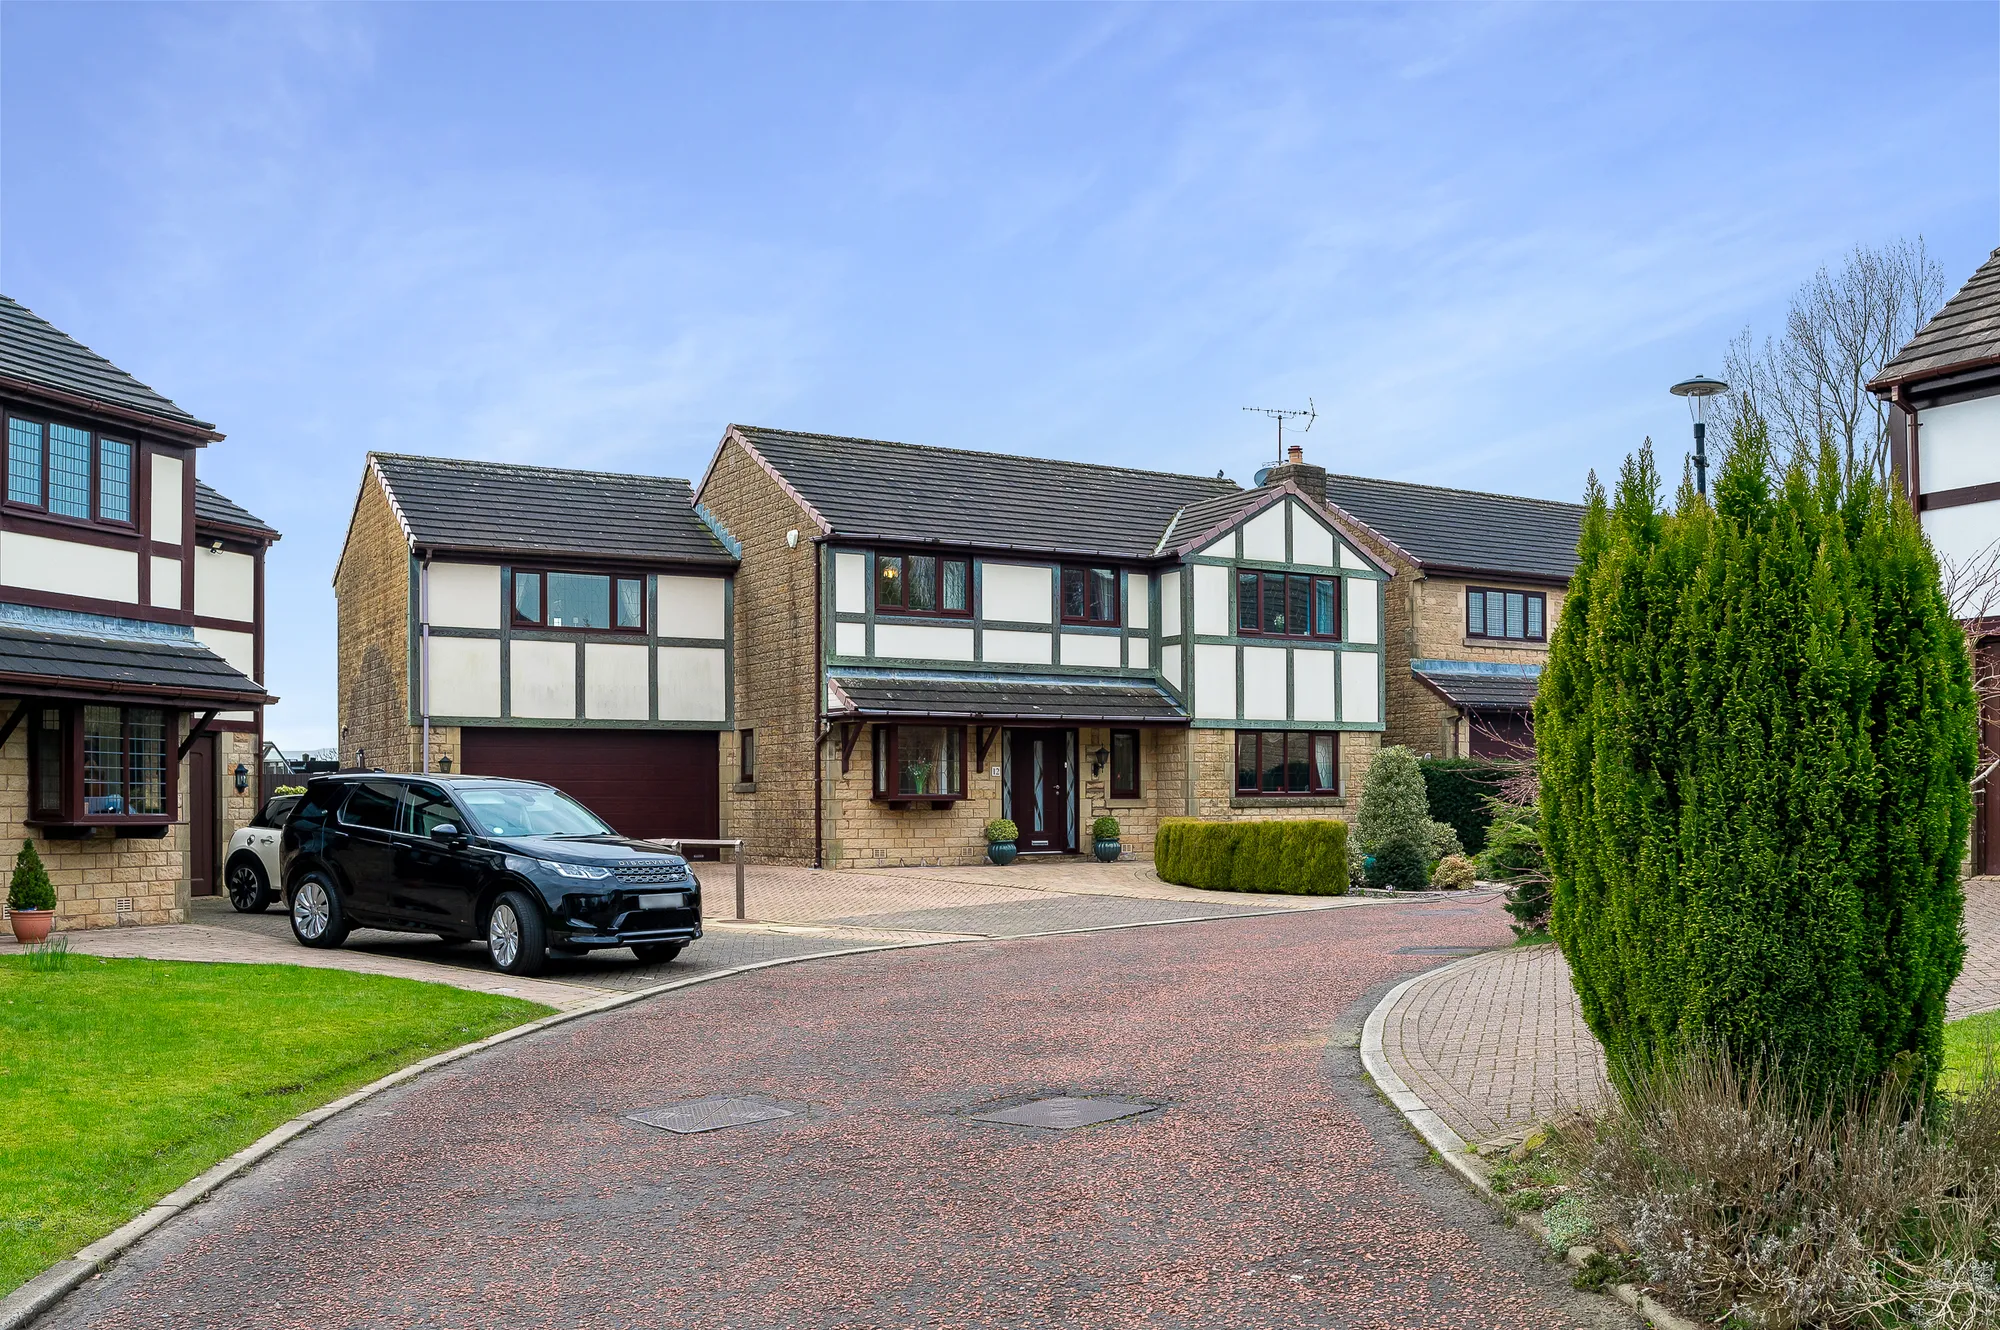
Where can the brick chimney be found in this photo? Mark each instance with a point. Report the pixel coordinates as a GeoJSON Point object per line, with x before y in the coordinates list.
{"type": "Point", "coordinates": [1295, 468]}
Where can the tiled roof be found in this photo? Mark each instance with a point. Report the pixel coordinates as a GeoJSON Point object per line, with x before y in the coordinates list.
{"type": "Point", "coordinates": [35, 351]}
{"type": "Point", "coordinates": [970, 697]}
{"type": "Point", "coordinates": [1480, 685]}
{"type": "Point", "coordinates": [1966, 332]}
{"type": "Point", "coordinates": [869, 489]}
{"type": "Point", "coordinates": [1191, 523]}
{"type": "Point", "coordinates": [502, 508]}
{"type": "Point", "coordinates": [1465, 530]}
{"type": "Point", "coordinates": [171, 668]}
{"type": "Point", "coordinates": [212, 506]}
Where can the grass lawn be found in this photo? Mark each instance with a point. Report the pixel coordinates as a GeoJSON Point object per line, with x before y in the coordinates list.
{"type": "Point", "coordinates": [1968, 1044]}
{"type": "Point", "coordinates": [120, 1080]}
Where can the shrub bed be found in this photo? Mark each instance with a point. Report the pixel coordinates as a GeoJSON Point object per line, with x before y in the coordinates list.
{"type": "Point", "coordinates": [1458, 789]}
{"type": "Point", "coordinates": [1298, 858]}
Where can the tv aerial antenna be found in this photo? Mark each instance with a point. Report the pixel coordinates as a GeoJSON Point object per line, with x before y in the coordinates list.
{"type": "Point", "coordinates": [1309, 415]}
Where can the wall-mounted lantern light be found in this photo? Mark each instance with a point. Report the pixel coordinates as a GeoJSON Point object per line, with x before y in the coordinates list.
{"type": "Point", "coordinates": [444, 764]}
{"type": "Point", "coordinates": [1098, 759]}
{"type": "Point", "coordinates": [242, 778]}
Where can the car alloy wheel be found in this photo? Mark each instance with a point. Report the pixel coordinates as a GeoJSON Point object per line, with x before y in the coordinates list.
{"type": "Point", "coordinates": [310, 910]}
{"type": "Point", "coordinates": [503, 935]}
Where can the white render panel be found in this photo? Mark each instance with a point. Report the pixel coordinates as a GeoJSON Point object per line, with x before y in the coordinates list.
{"type": "Point", "coordinates": [1017, 593]}
{"type": "Point", "coordinates": [1360, 687]}
{"type": "Point", "coordinates": [850, 583]}
{"type": "Point", "coordinates": [164, 585]}
{"type": "Point", "coordinates": [1360, 595]}
{"type": "Point", "coordinates": [1090, 649]}
{"type": "Point", "coordinates": [1222, 549]}
{"type": "Point", "coordinates": [462, 595]}
{"type": "Point", "coordinates": [1313, 695]}
{"type": "Point", "coordinates": [1170, 664]}
{"type": "Point", "coordinates": [71, 568]}
{"type": "Point", "coordinates": [850, 639]}
{"type": "Point", "coordinates": [169, 495]}
{"type": "Point", "coordinates": [465, 676]}
{"type": "Point", "coordinates": [1312, 543]}
{"type": "Point", "coordinates": [1215, 682]}
{"type": "Point", "coordinates": [615, 686]}
{"type": "Point", "coordinates": [1264, 535]}
{"type": "Point", "coordinates": [1961, 535]}
{"type": "Point", "coordinates": [1138, 599]}
{"type": "Point", "coordinates": [692, 684]}
{"type": "Point", "coordinates": [1959, 445]}
{"type": "Point", "coordinates": [909, 641]}
{"type": "Point", "coordinates": [1264, 683]}
{"type": "Point", "coordinates": [239, 649]}
{"type": "Point", "coordinates": [1211, 603]}
{"type": "Point", "coordinates": [1018, 648]}
{"type": "Point", "coordinates": [225, 586]}
{"type": "Point", "coordinates": [541, 679]}
{"type": "Point", "coordinates": [1170, 604]}
{"type": "Point", "coordinates": [1350, 559]}
{"type": "Point", "coordinates": [1137, 653]}
{"type": "Point", "coordinates": [692, 607]}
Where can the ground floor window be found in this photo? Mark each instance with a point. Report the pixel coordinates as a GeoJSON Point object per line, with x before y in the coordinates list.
{"type": "Point", "coordinates": [93, 763]}
{"type": "Point", "coordinates": [920, 761]}
{"type": "Point", "coordinates": [1287, 762]}
{"type": "Point", "coordinates": [1124, 764]}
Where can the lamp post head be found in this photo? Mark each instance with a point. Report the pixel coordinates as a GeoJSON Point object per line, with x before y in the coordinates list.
{"type": "Point", "coordinates": [1697, 390]}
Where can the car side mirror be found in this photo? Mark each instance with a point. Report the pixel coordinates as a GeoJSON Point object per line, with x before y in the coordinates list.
{"type": "Point", "coordinates": [446, 832]}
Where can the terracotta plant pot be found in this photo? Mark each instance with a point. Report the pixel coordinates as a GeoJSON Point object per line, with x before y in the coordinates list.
{"type": "Point", "coordinates": [31, 925]}
{"type": "Point", "coordinates": [1002, 852]}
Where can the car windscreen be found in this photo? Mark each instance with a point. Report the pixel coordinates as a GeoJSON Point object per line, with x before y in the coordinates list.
{"type": "Point", "coordinates": [528, 810]}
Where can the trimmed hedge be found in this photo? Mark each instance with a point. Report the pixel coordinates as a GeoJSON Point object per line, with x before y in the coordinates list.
{"type": "Point", "coordinates": [1298, 858]}
{"type": "Point", "coordinates": [1458, 788]}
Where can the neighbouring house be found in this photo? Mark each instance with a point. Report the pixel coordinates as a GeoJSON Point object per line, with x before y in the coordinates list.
{"type": "Point", "coordinates": [929, 638]}
{"type": "Point", "coordinates": [1478, 584]}
{"type": "Point", "coordinates": [130, 634]}
{"type": "Point", "coordinates": [1944, 450]}
{"type": "Point", "coordinates": [566, 626]}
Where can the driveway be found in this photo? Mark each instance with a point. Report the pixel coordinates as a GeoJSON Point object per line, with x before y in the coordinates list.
{"type": "Point", "coordinates": [1270, 1186]}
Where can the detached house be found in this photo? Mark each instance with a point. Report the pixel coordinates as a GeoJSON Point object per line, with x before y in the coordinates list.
{"type": "Point", "coordinates": [929, 638]}
{"type": "Point", "coordinates": [130, 634]}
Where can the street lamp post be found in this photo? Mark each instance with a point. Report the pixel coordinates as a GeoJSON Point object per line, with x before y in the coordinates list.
{"type": "Point", "coordinates": [1698, 390]}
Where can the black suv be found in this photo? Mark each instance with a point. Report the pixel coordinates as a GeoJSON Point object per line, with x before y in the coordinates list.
{"type": "Point", "coordinates": [516, 863]}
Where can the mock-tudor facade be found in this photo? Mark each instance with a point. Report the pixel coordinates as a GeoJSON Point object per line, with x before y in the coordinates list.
{"type": "Point", "coordinates": [1944, 445]}
{"type": "Point", "coordinates": [131, 632]}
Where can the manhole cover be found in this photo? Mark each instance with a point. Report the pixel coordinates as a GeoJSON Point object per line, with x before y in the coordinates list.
{"type": "Point", "coordinates": [1063, 1113]}
{"type": "Point", "coordinates": [1436, 951]}
{"type": "Point", "coordinates": [710, 1114]}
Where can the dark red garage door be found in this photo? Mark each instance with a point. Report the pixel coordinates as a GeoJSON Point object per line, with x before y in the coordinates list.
{"type": "Point", "coordinates": [655, 783]}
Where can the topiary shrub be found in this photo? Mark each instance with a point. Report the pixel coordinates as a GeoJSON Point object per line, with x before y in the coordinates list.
{"type": "Point", "coordinates": [1104, 828]}
{"type": "Point", "coordinates": [1453, 872]}
{"type": "Point", "coordinates": [30, 889]}
{"type": "Point", "coordinates": [1000, 830]}
{"type": "Point", "coordinates": [1304, 858]}
{"type": "Point", "coordinates": [1457, 790]}
{"type": "Point", "coordinates": [1756, 738]}
{"type": "Point", "coordinates": [1393, 803]}
{"type": "Point", "coordinates": [1398, 866]}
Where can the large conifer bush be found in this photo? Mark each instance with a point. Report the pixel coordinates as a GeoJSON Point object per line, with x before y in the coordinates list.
{"type": "Point", "coordinates": [1755, 735]}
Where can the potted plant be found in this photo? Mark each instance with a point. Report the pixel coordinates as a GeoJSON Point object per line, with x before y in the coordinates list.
{"type": "Point", "coordinates": [1104, 839]}
{"type": "Point", "coordinates": [31, 901]}
{"type": "Point", "coordinates": [1000, 837]}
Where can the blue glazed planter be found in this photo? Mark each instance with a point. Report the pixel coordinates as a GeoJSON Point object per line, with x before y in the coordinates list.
{"type": "Point", "coordinates": [1107, 851]}
{"type": "Point", "coordinates": [1001, 852]}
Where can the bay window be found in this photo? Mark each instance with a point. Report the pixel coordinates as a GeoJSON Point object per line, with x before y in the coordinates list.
{"type": "Point", "coordinates": [923, 584]}
{"type": "Point", "coordinates": [1287, 762]}
{"type": "Point", "coordinates": [92, 763]}
{"type": "Point", "coordinates": [920, 762]}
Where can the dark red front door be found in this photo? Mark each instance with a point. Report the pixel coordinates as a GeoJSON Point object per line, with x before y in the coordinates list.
{"type": "Point", "coordinates": [1039, 787]}
{"type": "Point", "coordinates": [649, 783]}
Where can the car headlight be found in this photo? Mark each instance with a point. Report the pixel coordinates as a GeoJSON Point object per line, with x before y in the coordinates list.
{"type": "Point", "coordinates": [578, 870]}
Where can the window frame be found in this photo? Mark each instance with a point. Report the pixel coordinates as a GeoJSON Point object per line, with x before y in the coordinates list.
{"type": "Point", "coordinates": [887, 736]}
{"type": "Point", "coordinates": [902, 559]}
{"type": "Point", "coordinates": [1084, 570]}
{"type": "Point", "coordinates": [94, 499]}
{"type": "Point", "coordinates": [746, 756]}
{"type": "Point", "coordinates": [1313, 790]}
{"type": "Point", "coordinates": [539, 573]}
{"type": "Point", "coordinates": [1285, 578]}
{"type": "Point", "coordinates": [68, 810]}
{"type": "Point", "coordinates": [1503, 636]}
{"type": "Point", "coordinates": [1115, 790]}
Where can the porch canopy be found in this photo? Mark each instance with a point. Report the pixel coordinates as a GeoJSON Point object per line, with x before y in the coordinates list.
{"type": "Point", "coordinates": [990, 698]}
{"type": "Point", "coordinates": [142, 667]}
{"type": "Point", "coordinates": [1478, 685]}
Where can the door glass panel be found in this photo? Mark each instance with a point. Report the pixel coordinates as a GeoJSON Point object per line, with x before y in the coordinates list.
{"type": "Point", "coordinates": [1273, 781]}
{"type": "Point", "coordinates": [888, 582]}
{"type": "Point", "coordinates": [922, 590]}
{"type": "Point", "coordinates": [1326, 607]}
{"type": "Point", "coordinates": [528, 597]}
{"type": "Point", "coordinates": [146, 741]}
{"type": "Point", "coordinates": [1323, 771]}
{"type": "Point", "coordinates": [579, 600]}
{"type": "Point", "coordinates": [1274, 602]}
{"type": "Point", "coordinates": [955, 595]}
{"type": "Point", "coordinates": [1041, 786]}
{"type": "Point", "coordinates": [1298, 770]}
{"type": "Point", "coordinates": [103, 761]}
{"type": "Point", "coordinates": [69, 471]}
{"type": "Point", "coordinates": [1298, 610]}
{"type": "Point", "coordinates": [631, 602]}
{"type": "Point", "coordinates": [1103, 594]}
{"type": "Point", "coordinates": [1246, 760]}
{"type": "Point", "coordinates": [1246, 602]}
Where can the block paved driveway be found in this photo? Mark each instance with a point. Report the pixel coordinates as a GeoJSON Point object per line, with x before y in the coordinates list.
{"type": "Point", "coordinates": [1272, 1187]}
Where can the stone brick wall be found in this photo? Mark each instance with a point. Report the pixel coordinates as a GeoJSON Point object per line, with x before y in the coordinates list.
{"type": "Point", "coordinates": [373, 595]}
{"type": "Point", "coordinates": [777, 661]}
{"type": "Point", "coordinates": [1215, 781]}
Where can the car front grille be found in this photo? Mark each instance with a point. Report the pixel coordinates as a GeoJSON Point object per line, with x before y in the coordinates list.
{"type": "Point", "coordinates": [648, 874]}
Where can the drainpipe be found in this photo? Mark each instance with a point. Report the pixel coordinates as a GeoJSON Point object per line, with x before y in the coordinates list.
{"type": "Point", "coordinates": [819, 706]}
{"type": "Point", "coordinates": [424, 659]}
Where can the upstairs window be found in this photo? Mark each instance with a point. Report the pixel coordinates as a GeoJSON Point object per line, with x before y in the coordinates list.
{"type": "Point", "coordinates": [923, 584]}
{"type": "Point", "coordinates": [579, 602]}
{"type": "Point", "coordinates": [1505, 615]}
{"type": "Point", "coordinates": [1090, 595]}
{"type": "Point", "coordinates": [67, 471]}
{"type": "Point", "coordinates": [1287, 605]}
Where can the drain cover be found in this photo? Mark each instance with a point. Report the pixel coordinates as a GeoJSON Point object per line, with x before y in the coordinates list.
{"type": "Point", "coordinates": [710, 1114]}
{"type": "Point", "coordinates": [1063, 1113]}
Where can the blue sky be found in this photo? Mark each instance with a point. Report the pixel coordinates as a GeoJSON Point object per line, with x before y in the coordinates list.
{"type": "Point", "coordinates": [1483, 239]}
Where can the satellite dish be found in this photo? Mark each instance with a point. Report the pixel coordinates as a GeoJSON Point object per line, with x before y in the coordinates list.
{"type": "Point", "coordinates": [1258, 479]}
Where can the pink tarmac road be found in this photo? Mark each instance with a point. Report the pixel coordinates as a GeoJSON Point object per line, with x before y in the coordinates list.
{"type": "Point", "coordinates": [1272, 1187]}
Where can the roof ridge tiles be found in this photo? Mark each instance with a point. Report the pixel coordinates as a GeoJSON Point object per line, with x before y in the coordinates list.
{"type": "Point", "coordinates": [981, 452]}
{"type": "Point", "coordinates": [478, 464]}
{"type": "Point", "coordinates": [1453, 489]}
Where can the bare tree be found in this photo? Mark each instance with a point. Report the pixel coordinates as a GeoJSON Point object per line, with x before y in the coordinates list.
{"type": "Point", "coordinates": [1811, 383]}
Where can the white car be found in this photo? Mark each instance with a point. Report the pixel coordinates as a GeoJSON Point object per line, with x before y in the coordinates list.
{"type": "Point", "coordinates": [250, 869]}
